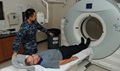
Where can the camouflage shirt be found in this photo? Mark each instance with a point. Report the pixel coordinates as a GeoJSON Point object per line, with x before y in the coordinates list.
{"type": "Point", "coordinates": [27, 36]}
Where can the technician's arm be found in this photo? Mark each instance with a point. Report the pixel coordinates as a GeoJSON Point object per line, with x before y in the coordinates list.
{"type": "Point", "coordinates": [16, 45]}
{"type": "Point", "coordinates": [65, 61]}
{"type": "Point", "coordinates": [41, 28]}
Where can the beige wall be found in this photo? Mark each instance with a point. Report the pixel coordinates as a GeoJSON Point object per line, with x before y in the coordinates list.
{"type": "Point", "coordinates": [11, 6]}
{"type": "Point", "coordinates": [57, 12]}
{"type": "Point", "coordinates": [14, 6]}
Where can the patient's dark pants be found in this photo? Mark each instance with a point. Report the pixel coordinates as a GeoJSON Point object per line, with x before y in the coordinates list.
{"type": "Point", "coordinates": [68, 51]}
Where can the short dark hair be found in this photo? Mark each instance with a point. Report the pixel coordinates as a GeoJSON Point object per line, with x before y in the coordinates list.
{"type": "Point", "coordinates": [29, 12]}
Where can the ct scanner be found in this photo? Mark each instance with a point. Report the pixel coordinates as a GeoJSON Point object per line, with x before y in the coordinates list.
{"type": "Point", "coordinates": [100, 21]}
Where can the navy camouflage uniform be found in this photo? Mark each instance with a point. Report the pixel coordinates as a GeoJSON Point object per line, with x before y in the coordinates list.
{"type": "Point", "coordinates": [27, 37]}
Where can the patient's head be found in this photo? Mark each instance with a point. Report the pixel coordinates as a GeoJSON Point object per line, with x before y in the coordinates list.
{"type": "Point", "coordinates": [29, 60]}
{"type": "Point", "coordinates": [32, 59]}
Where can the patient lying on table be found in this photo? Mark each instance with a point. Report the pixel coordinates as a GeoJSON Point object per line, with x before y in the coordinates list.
{"type": "Point", "coordinates": [53, 58]}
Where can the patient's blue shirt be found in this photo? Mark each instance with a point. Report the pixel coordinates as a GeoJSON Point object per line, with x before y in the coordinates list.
{"type": "Point", "coordinates": [50, 58]}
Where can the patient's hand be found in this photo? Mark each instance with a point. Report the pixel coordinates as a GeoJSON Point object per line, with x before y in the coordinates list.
{"type": "Point", "coordinates": [74, 57]}
{"type": "Point", "coordinates": [61, 62]}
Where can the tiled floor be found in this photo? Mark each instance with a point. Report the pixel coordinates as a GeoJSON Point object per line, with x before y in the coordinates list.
{"type": "Point", "coordinates": [5, 64]}
{"type": "Point", "coordinates": [42, 47]}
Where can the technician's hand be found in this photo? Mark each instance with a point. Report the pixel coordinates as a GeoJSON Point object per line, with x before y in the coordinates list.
{"type": "Point", "coordinates": [14, 55]}
{"type": "Point", "coordinates": [51, 34]}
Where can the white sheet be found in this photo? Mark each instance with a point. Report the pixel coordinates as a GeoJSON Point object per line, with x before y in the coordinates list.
{"type": "Point", "coordinates": [81, 56]}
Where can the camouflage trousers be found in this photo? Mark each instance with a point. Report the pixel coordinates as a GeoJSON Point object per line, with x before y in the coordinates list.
{"type": "Point", "coordinates": [30, 51]}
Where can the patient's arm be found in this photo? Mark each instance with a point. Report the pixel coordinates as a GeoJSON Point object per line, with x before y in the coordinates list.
{"type": "Point", "coordinates": [65, 61]}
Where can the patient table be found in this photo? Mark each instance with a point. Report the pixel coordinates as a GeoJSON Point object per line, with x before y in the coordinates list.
{"type": "Point", "coordinates": [19, 64]}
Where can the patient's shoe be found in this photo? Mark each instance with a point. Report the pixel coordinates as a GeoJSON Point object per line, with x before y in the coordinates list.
{"type": "Point", "coordinates": [88, 41]}
{"type": "Point", "coordinates": [82, 40]}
